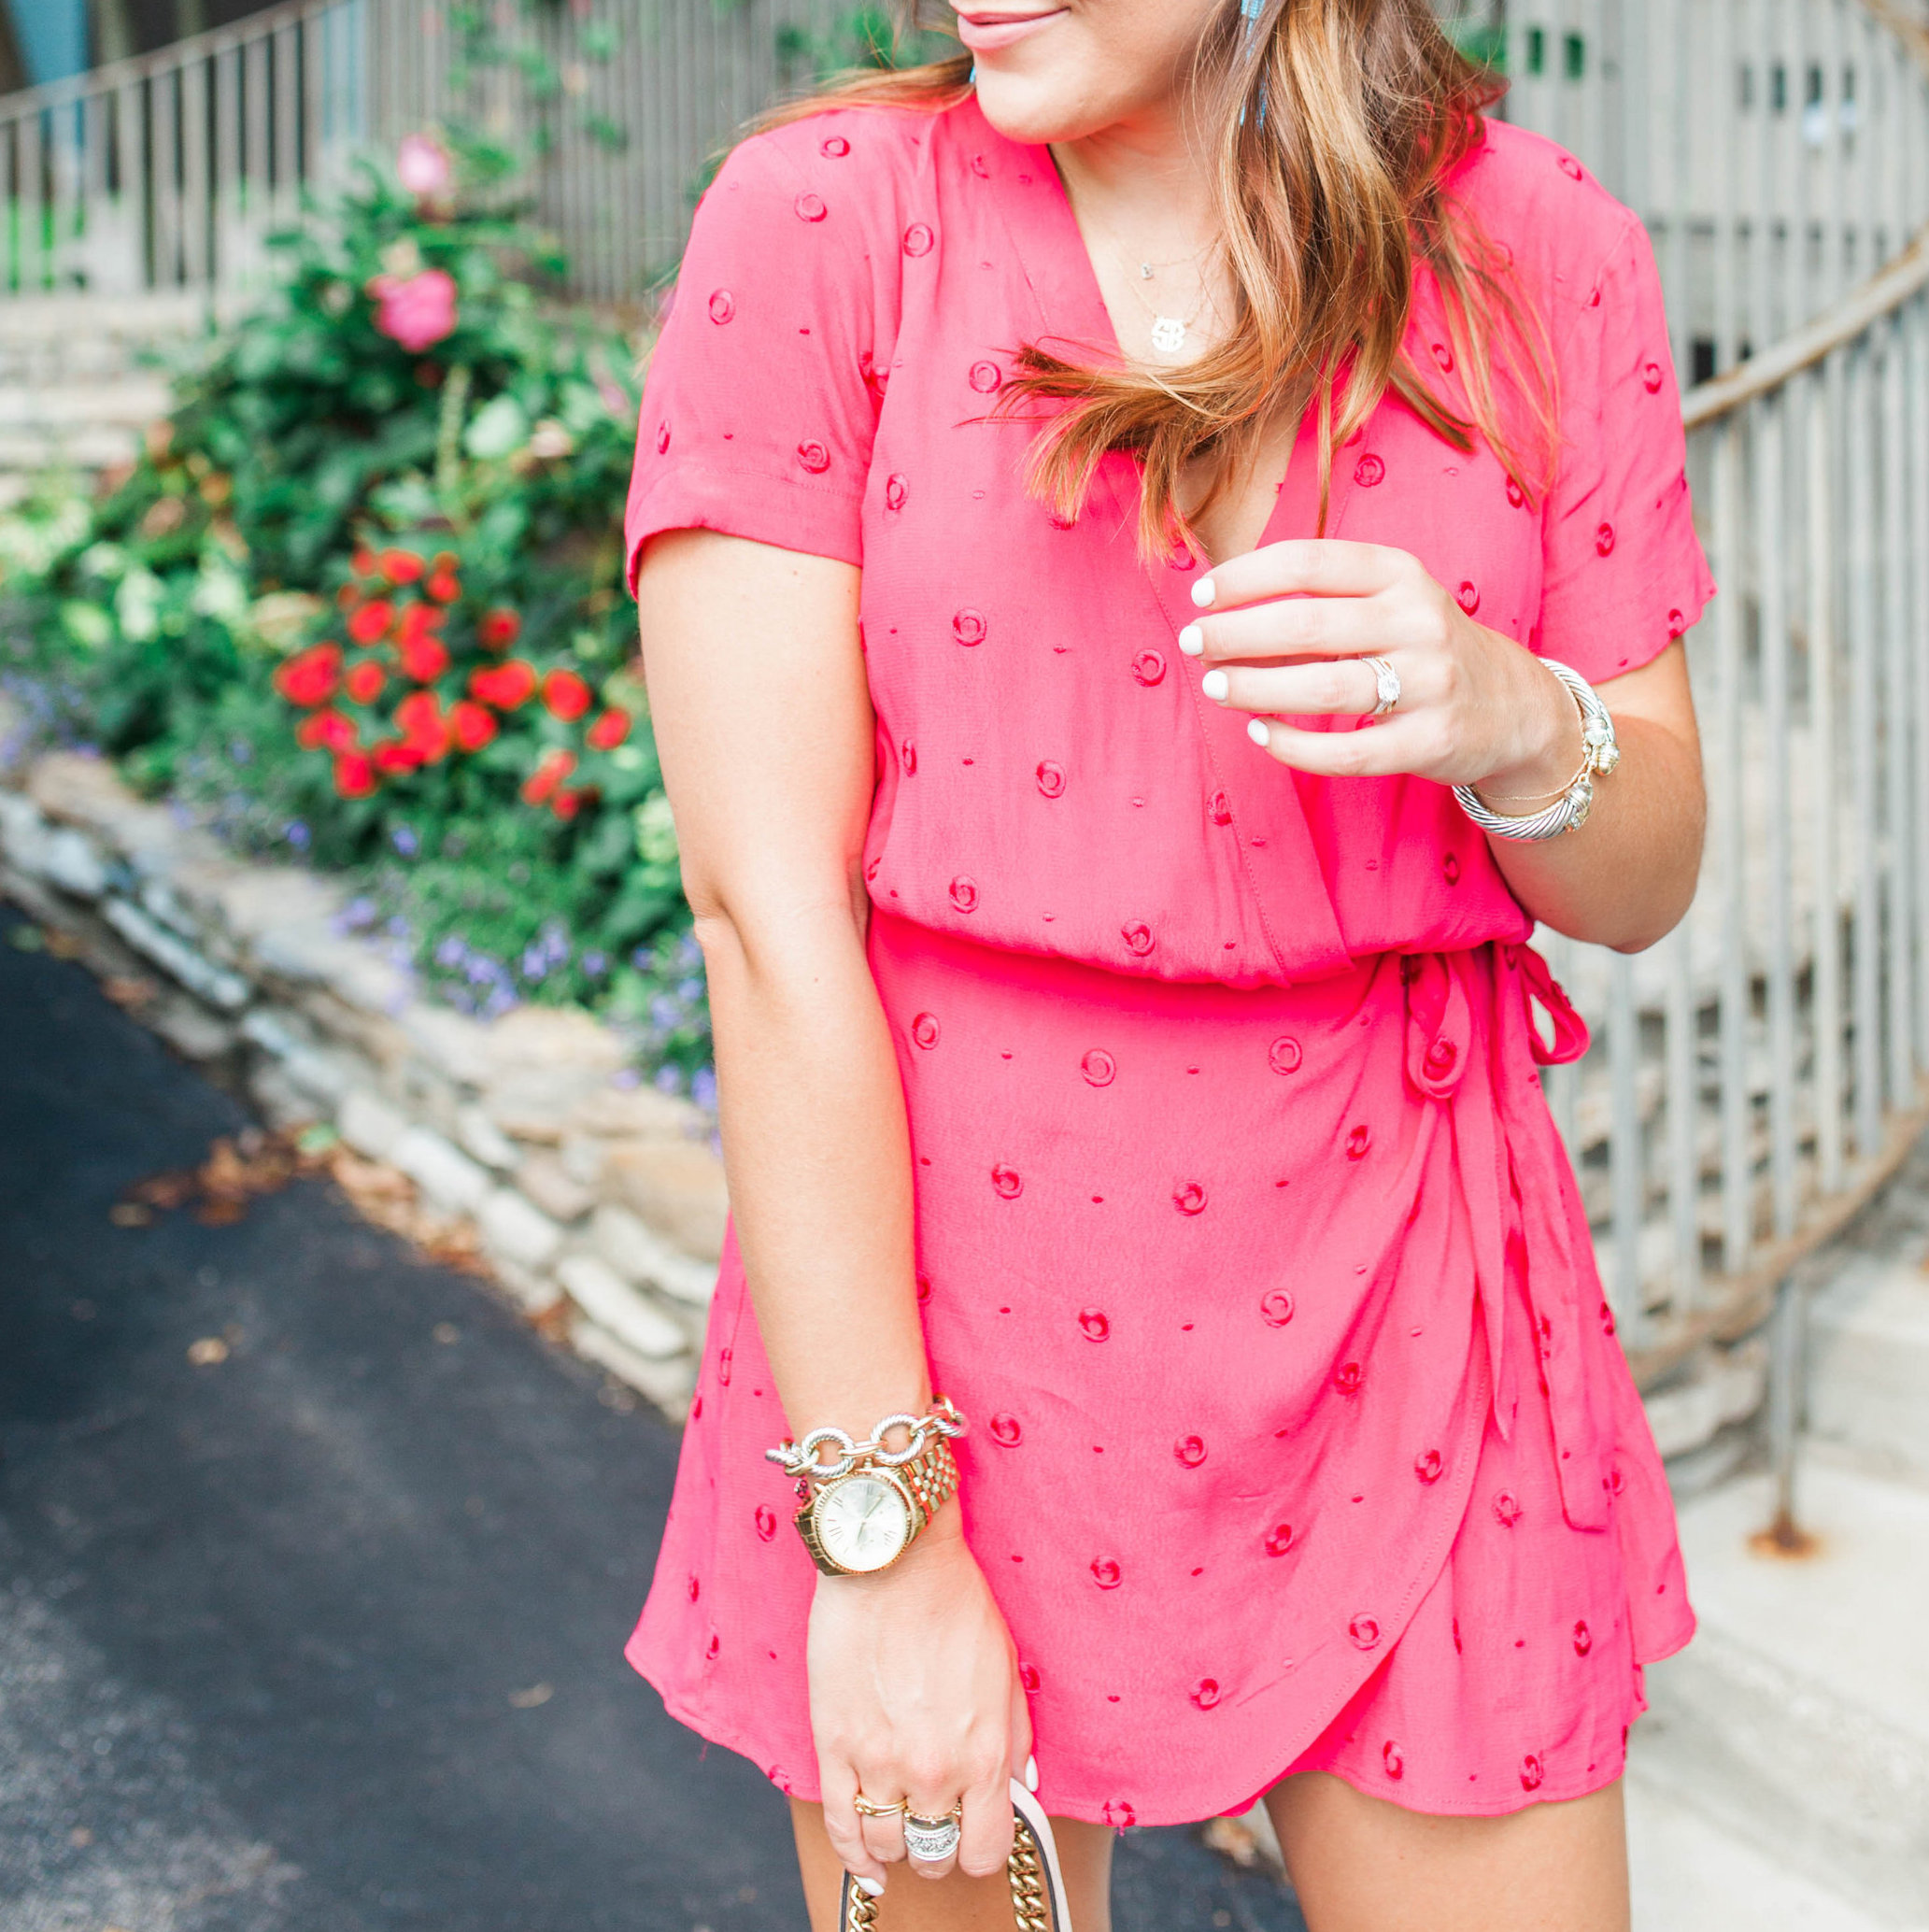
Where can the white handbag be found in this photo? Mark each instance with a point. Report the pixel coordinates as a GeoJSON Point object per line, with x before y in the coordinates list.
{"type": "Point", "coordinates": [1038, 1885]}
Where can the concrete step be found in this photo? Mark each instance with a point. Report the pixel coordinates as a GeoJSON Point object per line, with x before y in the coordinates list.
{"type": "Point", "coordinates": [55, 407]}
{"type": "Point", "coordinates": [1797, 1722]}
{"type": "Point", "coordinates": [1868, 1355]}
{"type": "Point", "coordinates": [1689, 1875]}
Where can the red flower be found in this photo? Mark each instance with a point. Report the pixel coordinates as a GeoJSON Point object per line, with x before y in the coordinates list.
{"type": "Point", "coordinates": [310, 676]}
{"type": "Point", "coordinates": [401, 566]}
{"type": "Point", "coordinates": [552, 768]}
{"type": "Point", "coordinates": [566, 804]}
{"type": "Point", "coordinates": [443, 585]}
{"type": "Point", "coordinates": [609, 730]}
{"type": "Point", "coordinates": [498, 629]}
{"type": "Point", "coordinates": [349, 596]}
{"type": "Point", "coordinates": [327, 731]}
{"type": "Point", "coordinates": [363, 563]}
{"type": "Point", "coordinates": [365, 680]}
{"type": "Point", "coordinates": [370, 624]}
{"type": "Point", "coordinates": [505, 686]}
{"type": "Point", "coordinates": [566, 695]}
{"type": "Point", "coordinates": [474, 725]}
{"type": "Point", "coordinates": [424, 729]}
{"type": "Point", "coordinates": [423, 658]}
{"type": "Point", "coordinates": [355, 774]}
{"type": "Point", "coordinates": [397, 758]}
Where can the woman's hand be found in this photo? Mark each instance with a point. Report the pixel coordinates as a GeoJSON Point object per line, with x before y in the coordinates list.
{"type": "Point", "coordinates": [914, 1695]}
{"type": "Point", "coordinates": [1289, 626]}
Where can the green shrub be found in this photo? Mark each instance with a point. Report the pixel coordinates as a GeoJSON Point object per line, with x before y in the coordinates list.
{"type": "Point", "coordinates": [360, 598]}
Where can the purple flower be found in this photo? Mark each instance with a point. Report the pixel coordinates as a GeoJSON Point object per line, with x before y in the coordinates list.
{"type": "Point", "coordinates": [665, 1013]}
{"type": "Point", "coordinates": [626, 1078]}
{"type": "Point", "coordinates": [404, 841]}
{"type": "Point", "coordinates": [691, 990]}
{"type": "Point", "coordinates": [595, 965]}
{"type": "Point", "coordinates": [668, 1080]}
{"type": "Point", "coordinates": [703, 1087]}
{"type": "Point", "coordinates": [498, 1002]}
{"type": "Point", "coordinates": [450, 951]}
{"type": "Point", "coordinates": [240, 751]}
{"type": "Point", "coordinates": [296, 833]}
{"type": "Point", "coordinates": [397, 927]}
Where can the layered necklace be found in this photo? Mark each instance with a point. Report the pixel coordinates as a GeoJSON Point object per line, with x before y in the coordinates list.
{"type": "Point", "coordinates": [1170, 332]}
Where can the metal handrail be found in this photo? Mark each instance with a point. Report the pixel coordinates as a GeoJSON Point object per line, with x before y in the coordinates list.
{"type": "Point", "coordinates": [1762, 374]}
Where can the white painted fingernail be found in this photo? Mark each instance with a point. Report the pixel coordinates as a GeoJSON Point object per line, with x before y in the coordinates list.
{"type": "Point", "coordinates": [1215, 683]}
{"type": "Point", "coordinates": [872, 1888]}
{"type": "Point", "coordinates": [1203, 593]}
{"type": "Point", "coordinates": [1192, 640]}
{"type": "Point", "coordinates": [1259, 731]}
{"type": "Point", "coordinates": [1031, 1774]}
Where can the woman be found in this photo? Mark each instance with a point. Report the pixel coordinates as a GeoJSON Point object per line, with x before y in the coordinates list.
{"type": "Point", "coordinates": [1052, 465]}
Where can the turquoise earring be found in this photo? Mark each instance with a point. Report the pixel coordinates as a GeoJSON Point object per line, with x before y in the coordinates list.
{"type": "Point", "coordinates": [971, 79]}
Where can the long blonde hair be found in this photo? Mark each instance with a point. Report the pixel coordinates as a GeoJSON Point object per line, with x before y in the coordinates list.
{"type": "Point", "coordinates": [1336, 123]}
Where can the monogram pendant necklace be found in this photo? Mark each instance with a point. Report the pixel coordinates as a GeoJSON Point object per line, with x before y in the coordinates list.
{"type": "Point", "coordinates": [1168, 331]}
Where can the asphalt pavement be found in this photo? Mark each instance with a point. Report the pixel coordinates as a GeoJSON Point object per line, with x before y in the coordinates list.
{"type": "Point", "coordinates": [324, 1635]}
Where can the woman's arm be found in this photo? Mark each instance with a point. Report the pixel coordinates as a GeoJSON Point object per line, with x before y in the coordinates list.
{"type": "Point", "coordinates": [1475, 709]}
{"type": "Point", "coordinates": [763, 722]}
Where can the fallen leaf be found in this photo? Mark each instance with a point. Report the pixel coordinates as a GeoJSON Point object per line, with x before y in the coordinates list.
{"type": "Point", "coordinates": [62, 945]}
{"type": "Point", "coordinates": [26, 939]}
{"type": "Point", "coordinates": [207, 1352]}
{"type": "Point", "coordinates": [129, 991]}
{"type": "Point", "coordinates": [536, 1694]}
{"type": "Point", "coordinates": [1234, 1839]}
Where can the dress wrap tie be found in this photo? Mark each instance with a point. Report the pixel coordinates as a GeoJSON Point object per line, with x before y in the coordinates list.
{"type": "Point", "coordinates": [1553, 1252]}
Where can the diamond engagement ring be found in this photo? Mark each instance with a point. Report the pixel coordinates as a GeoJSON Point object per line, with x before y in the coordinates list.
{"type": "Point", "coordinates": [932, 1839]}
{"type": "Point", "coordinates": [1386, 681]}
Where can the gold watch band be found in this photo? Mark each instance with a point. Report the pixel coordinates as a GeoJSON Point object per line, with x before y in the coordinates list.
{"type": "Point", "coordinates": [927, 1482]}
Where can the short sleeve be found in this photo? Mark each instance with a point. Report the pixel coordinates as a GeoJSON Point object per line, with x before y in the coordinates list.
{"type": "Point", "coordinates": [1624, 573]}
{"type": "Point", "coordinates": [759, 404]}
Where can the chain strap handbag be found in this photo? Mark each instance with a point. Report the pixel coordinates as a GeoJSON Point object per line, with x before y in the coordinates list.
{"type": "Point", "coordinates": [1038, 1886]}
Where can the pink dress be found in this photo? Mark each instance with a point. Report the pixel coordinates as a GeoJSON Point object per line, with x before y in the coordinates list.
{"type": "Point", "coordinates": [1300, 1438]}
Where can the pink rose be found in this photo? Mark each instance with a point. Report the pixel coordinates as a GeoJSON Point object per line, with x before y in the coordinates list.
{"type": "Point", "coordinates": [422, 165]}
{"type": "Point", "coordinates": [416, 310]}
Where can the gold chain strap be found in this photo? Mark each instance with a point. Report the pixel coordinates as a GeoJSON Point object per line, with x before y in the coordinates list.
{"type": "Point", "coordinates": [1031, 1905]}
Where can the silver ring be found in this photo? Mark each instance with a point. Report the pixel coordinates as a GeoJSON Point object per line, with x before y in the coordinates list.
{"type": "Point", "coordinates": [1386, 681]}
{"type": "Point", "coordinates": [932, 1840]}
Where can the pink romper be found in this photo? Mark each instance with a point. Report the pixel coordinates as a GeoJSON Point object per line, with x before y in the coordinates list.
{"type": "Point", "coordinates": [1300, 1438]}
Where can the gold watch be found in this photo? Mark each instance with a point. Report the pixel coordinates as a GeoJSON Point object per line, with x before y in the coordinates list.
{"type": "Point", "coordinates": [859, 1524]}
{"type": "Point", "coordinates": [862, 1512]}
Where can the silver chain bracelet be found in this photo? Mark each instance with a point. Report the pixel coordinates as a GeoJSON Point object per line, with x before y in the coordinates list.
{"type": "Point", "coordinates": [1599, 754]}
{"type": "Point", "coordinates": [799, 1459]}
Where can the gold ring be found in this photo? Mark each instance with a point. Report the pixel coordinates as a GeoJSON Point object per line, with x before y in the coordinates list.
{"type": "Point", "coordinates": [865, 1809]}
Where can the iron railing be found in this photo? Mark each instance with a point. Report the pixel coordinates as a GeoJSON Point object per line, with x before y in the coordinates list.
{"type": "Point", "coordinates": [1758, 1073]}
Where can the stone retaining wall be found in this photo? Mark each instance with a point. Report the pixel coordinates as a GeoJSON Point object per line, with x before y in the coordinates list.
{"type": "Point", "coordinates": [598, 1201]}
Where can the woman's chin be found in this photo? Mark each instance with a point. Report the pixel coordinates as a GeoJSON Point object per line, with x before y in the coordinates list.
{"type": "Point", "coordinates": [1034, 111]}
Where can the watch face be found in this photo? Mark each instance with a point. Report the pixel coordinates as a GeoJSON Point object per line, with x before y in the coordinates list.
{"type": "Point", "coordinates": [862, 1522]}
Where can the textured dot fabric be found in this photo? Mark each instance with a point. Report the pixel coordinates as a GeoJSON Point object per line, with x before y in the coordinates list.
{"type": "Point", "coordinates": [1301, 1438]}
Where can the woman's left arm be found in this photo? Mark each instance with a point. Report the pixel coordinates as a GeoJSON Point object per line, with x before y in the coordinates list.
{"type": "Point", "coordinates": [1283, 635]}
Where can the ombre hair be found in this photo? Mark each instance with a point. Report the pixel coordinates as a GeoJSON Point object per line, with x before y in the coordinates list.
{"type": "Point", "coordinates": [1334, 125]}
